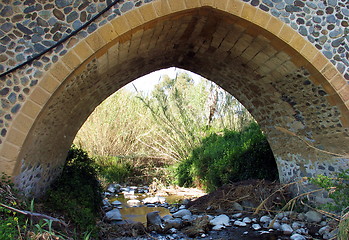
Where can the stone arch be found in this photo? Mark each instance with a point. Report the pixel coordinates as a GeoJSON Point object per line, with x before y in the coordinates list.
{"type": "Point", "coordinates": [259, 59]}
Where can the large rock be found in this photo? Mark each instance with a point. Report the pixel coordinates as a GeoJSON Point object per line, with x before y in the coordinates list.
{"type": "Point", "coordinates": [154, 222]}
{"type": "Point", "coordinates": [221, 220]}
{"type": "Point", "coordinates": [114, 215]}
{"type": "Point", "coordinates": [173, 223]}
{"type": "Point", "coordinates": [181, 213]}
{"type": "Point", "coordinates": [313, 216]}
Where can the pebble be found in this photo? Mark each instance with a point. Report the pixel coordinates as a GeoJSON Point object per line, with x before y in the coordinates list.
{"type": "Point", "coordinates": [286, 229]}
{"type": "Point", "coordinates": [276, 225]}
{"type": "Point", "coordinates": [237, 215]}
{"type": "Point", "coordinates": [133, 202]}
{"type": "Point", "coordinates": [296, 225]}
{"type": "Point", "coordinates": [324, 230]}
{"type": "Point", "coordinates": [256, 226]}
{"type": "Point", "coordinates": [218, 227]}
{"type": "Point", "coordinates": [297, 236]}
{"type": "Point", "coordinates": [265, 219]}
{"type": "Point", "coordinates": [240, 223]}
{"type": "Point", "coordinates": [247, 220]}
{"type": "Point", "coordinates": [236, 206]}
{"type": "Point", "coordinates": [116, 202]}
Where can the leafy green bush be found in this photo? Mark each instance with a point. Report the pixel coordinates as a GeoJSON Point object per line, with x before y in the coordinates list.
{"type": "Point", "coordinates": [10, 222]}
{"type": "Point", "coordinates": [233, 156]}
{"type": "Point", "coordinates": [338, 189]}
{"type": "Point", "coordinates": [114, 169]}
{"type": "Point", "coordinates": [77, 192]}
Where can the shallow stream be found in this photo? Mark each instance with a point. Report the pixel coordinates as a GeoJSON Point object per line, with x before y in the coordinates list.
{"type": "Point", "coordinates": [138, 212]}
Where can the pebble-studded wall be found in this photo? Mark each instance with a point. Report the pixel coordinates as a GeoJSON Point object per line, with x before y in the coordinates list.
{"type": "Point", "coordinates": [292, 98]}
{"type": "Point", "coordinates": [29, 27]}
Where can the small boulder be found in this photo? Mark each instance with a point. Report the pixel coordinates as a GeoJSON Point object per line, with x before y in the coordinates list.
{"type": "Point", "coordinates": [187, 218]}
{"type": "Point", "coordinates": [154, 222]}
{"type": "Point", "coordinates": [286, 229]}
{"type": "Point", "coordinates": [256, 226]}
{"type": "Point", "coordinates": [265, 219]}
{"type": "Point", "coordinates": [324, 230]}
{"type": "Point", "coordinates": [276, 225]}
{"type": "Point", "coordinates": [240, 223]}
{"type": "Point", "coordinates": [166, 217]}
{"type": "Point", "coordinates": [237, 215]}
{"type": "Point", "coordinates": [218, 227]}
{"type": "Point", "coordinates": [236, 206]}
{"type": "Point", "coordinates": [114, 215]}
{"type": "Point", "coordinates": [220, 220]}
{"type": "Point", "coordinates": [173, 223]}
{"type": "Point", "coordinates": [247, 220]}
{"type": "Point", "coordinates": [181, 213]}
{"type": "Point", "coordinates": [296, 225]}
{"type": "Point", "coordinates": [313, 216]}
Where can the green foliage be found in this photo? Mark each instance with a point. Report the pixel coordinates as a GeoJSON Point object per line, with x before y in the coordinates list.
{"type": "Point", "coordinates": [114, 169]}
{"type": "Point", "coordinates": [77, 192]}
{"type": "Point", "coordinates": [167, 123]}
{"type": "Point", "coordinates": [9, 220]}
{"type": "Point", "coordinates": [233, 156]}
{"type": "Point", "coordinates": [8, 224]}
{"type": "Point", "coordinates": [338, 189]}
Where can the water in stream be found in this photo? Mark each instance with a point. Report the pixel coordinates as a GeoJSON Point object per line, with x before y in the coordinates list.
{"type": "Point", "coordinates": [138, 212]}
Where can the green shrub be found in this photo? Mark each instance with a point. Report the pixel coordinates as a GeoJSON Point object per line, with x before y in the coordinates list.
{"type": "Point", "coordinates": [77, 192]}
{"type": "Point", "coordinates": [114, 169]}
{"type": "Point", "coordinates": [233, 156]}
{"type": "Point", "coordinates": [10, 222]}
{"type": "Point", "coordinates": [338, 188]}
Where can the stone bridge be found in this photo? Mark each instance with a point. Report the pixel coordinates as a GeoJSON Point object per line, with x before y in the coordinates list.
{"type": "Point", "coordinates": [286, 61]}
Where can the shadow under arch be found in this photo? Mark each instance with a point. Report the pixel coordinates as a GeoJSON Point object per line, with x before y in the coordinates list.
{"type": "Point", "coordinates": [276, 74]}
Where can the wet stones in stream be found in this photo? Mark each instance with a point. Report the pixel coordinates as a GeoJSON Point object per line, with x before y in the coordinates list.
{"type": "Point", "coordinates": [181, 223]}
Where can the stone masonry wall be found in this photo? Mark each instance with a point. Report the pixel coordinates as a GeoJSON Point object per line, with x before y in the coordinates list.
{"type": "Point", "coordinates": [29, 27]}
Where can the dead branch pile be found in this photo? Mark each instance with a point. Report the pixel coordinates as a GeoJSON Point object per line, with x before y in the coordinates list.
{"type": "Point", "coordinates": [249, 194]}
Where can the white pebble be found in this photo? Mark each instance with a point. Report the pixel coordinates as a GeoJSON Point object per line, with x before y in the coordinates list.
{"type": "Point", "coordinates": [256, 226]}
{"type": "Point", "coordinates": [240, 224]}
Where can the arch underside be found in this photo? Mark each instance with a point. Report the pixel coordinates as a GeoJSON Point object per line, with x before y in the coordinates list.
{"type": "Point", "coordinates": [260, 71]}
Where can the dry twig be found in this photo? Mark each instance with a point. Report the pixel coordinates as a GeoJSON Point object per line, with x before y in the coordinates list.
{"type": "Point", "coordinates": [33, 214]}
